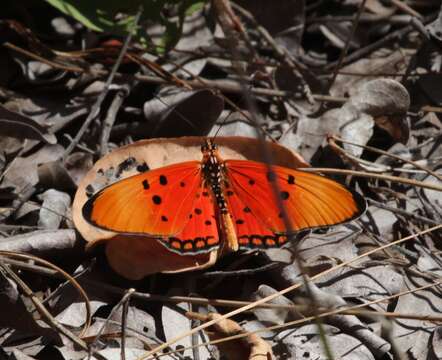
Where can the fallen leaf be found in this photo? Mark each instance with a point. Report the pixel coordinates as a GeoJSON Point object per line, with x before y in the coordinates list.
{"type": "Point", "coordinates": [54, 209]}
{"type": "Point", "coordinates": [19, 126]}
{"type": "Point", "coordinates": [137, 256]}
{"type": "Point", "coordinates": [382, 99]}
{"type": "Point", "coordinates": [192, 112]}
{"type": "Point", "coordinates": [250, 347]}
{"type": "Point", "coordinates": [413, 336]}
{"type": "Point", "coordinates": [305, 343]}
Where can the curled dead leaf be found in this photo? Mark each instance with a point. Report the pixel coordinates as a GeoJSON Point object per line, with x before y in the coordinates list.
{"type": "Point", "coordinates": [251, 346]}
{"type": "Point", "coordinates": [19, 126]}
{"type": "Point", "coordinates": [134, 256]}
{"type": "Point", "coordinates": [380, 102]}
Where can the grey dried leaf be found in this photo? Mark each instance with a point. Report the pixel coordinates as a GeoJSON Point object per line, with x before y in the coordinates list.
{"type": "Point", "coordinates": [53, 174]}
{"type": "Point", "coordinates": [273, 316]}
{"type": "Point", "coordinates": [285, 21]}
{"type": "Point", "coordinates": [62, 27]}
{"type": "Point", "coordinates": [305, 343]}
{"type": "Point", "coordinates": [19, 126]}
{"type": "Point", "coordinates": [435, 28]}
{"type": "Point", "coordinates": [46, 111]}
{"type": "Point", "coordinates": [338, 33]}
{"type": "Point", "coordinates": [78, 164]}
{"type": "Point", "coordinates": [381, 97]}
{"type": "Point", "coordinates": [382, 102]}
{"type": "Point", "coordinates": [347, 84]}
{"type": "Point", "coordinates": [175, 323]}
{"type": "Point", "coordinates": [433, 196]}
{"type": "Point", "coordinates": [19, 355]}
{"type": "Point", "coordinates": [366, 283]}
{"type": "Point", "coordinates": [15, 314]}
{"type": "Point", "coordinates": [44, 243]}
{"type": "Point", "coordinates": [75, 314]}
{"type": "Point", "coordinates": [348, 324]}
{"type": "Point", "coordinates": [136, 320]}
{"type": "Point", "coordinates": [195, 35]}
{"type": "Point", "coordinates": [436, 343]}
{"type": "Point", "coordinates": [233, 124]}
{"type": "Point", "coordinates": [54, 208]}
{"type": "Point", "coordinates": [23, 170]}
{"type": "Point", "coordinates": [384, 219]}
{"type": "Point", "coordinates": [115, 354]}
{"type": "Point", "coordinates": [414, 336]}
{"type": "Point", "coordinates": [190, 113]}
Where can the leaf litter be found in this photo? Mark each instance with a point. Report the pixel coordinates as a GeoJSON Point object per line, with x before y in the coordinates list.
{"type": "Point", "coordinates": [179, 77]}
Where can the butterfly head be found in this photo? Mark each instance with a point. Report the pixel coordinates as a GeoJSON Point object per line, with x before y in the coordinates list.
{"type": "Point", "coordinates": [209, 147]}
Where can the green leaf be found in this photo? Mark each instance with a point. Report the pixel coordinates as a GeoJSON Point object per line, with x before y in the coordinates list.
{"type": "Point", "coordinates": [118, 17]}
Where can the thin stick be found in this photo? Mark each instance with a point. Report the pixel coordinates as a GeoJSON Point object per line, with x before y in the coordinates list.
{"type": "Point", "coordinates": [353, 310]}
{"type": "Point", "coordinates": [282, 292]}
{"type": "Point", "coordinates": [393, 156]}
{"type": "Point", "coordinates": [369, 175]}
{"type": "Point", "coordinates": [126, 301]}
{"type": "Point", "coordinates": [46, 316]}
{"type": "Point", "coordinates": [402, 212]}
{"type": "Point", "coordinates": [96, 108]}
{"type": "Point", "coordinates": [406, 9]}
{"type": "Point", "coordinates": [398, 34]}
{"type": "Point", "coordinates": [110, 119]}
{"type": "Point", "coordinates": [347, 45]}
{"type": "Point", "coordinates": [63, 274]}
{"type": "Point", "coordinates": [296, 286]}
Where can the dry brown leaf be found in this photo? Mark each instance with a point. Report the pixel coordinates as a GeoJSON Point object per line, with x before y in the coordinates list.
{"type": "Point", "coordinates": [250, 347]}
{"type": "Point", "coordinates": [137, 256]}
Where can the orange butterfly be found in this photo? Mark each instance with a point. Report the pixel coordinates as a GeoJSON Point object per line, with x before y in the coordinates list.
{"type": "Point", "coordinates": [196, 206]}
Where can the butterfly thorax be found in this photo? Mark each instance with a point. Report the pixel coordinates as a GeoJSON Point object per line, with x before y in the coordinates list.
{"type": "Point", "coordinates": [213, 169]}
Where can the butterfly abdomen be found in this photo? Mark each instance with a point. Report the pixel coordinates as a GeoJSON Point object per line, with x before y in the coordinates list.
{"type": "Point", "coordinates": [213, 168]}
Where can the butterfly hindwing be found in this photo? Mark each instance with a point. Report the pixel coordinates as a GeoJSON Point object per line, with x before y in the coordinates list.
{"type": "Point", "coordinates": [201, 231]}
{"type": "Point", "coordinates": [310, 201]}
{"type": "Point", "coordinates": [251, 232]}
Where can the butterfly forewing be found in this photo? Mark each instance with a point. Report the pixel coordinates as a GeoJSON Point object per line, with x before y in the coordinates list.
{"type": "Point", "coordinates": [157, 202]}
{"type": "Point", "coordinates": [309, 200]}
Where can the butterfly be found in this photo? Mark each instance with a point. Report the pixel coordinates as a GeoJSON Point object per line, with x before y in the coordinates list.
{"type": "Point", "coordinates": [195, 207]}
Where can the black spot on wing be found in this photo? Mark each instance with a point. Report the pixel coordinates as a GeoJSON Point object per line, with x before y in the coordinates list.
{"type": "Point", "coordinates": [284, 195]}
{"type": "Point", "coordinates": [163, 180]}
{"type": "Point", "coordinates": [145, 184]}
{"type": "Point", "coordinates": [291, 179]}
{"type": "Point", "coordinates": [156, 199]}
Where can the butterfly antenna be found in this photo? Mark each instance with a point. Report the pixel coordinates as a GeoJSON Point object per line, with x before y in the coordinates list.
{"type": "Point", "coordinates": [221, 125]}
{"type": "Point", "coordinates": [183, 117]}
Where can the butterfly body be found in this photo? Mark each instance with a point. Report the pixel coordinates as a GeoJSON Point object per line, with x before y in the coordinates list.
{"type": "Point", "coordinates": [198, 206]}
